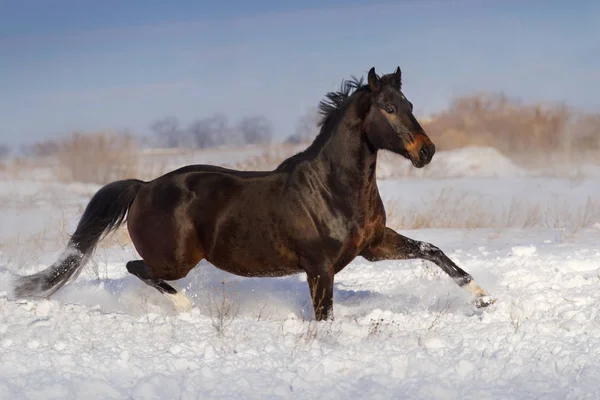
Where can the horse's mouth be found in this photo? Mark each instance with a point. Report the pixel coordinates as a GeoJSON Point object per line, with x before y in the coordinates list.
{"type": "Point", "coordinates": [419, 163]}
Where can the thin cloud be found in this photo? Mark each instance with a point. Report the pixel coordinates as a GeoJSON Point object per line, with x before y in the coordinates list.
{"type": "Point", "coordinates": [121, 92]}
{"type": "Point", "coordinates": [215, 53]}
{"type": "Point", "coordinates": [258, 19]}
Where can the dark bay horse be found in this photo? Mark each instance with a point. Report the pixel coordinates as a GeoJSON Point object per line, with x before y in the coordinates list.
{"type": "Point", "coordinates": [314, 213]}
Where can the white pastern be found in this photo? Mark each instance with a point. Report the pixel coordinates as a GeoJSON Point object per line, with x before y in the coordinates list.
{"type": "Point", "coordinates": [180, 301]}
{"type": "Point", "coordinates": [475, 289]}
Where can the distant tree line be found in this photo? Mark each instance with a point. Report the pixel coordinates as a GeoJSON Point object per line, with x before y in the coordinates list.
{"type": "Point", "coordinates": [216, 130]}
{"type": "Point", "coordinates": [4, 151]}
{"type": "Point", "coordinates": [306, 127]}
{"type": "Point", "coordinates": [203, 133]}
{"type": "Point", "coordinates": [212, 131]}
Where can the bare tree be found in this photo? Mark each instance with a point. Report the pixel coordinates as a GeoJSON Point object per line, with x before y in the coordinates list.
{"type": "Point", "coordinates": [4, 151]}
{"type": "Point", "coordinates": [256, 130]}
{"type": "Point", "coordinates": [40, 149]}
{"type": "Point", "coordinates": [306, 128]}
{"type": "Point", "coordinates": [210, 132]}
{"type": "Point", "coordinates": [168, 132]}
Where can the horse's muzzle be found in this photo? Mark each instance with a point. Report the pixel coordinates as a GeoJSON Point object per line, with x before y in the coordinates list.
{"type": "Point", "coordinates": [425, 155]}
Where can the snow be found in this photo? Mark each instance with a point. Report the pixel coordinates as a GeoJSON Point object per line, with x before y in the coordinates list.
{"type": "Point", "coordinates": [465, 162]}
{"type": "Point", "coordinates": [402, 329]}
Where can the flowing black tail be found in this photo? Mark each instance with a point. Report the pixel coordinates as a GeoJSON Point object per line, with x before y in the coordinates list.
{"type": "Point", "coordinates": [104, 213]}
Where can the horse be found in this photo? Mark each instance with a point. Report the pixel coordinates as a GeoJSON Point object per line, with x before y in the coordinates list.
{"type": "Point", "coordinates": [314, 213]}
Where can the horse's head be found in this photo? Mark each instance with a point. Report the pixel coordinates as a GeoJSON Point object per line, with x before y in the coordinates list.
{"type": "Point", "coordinates": [390, 124]}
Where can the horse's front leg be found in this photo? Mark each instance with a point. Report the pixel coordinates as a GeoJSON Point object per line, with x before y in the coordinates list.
{"type": "Point", "coordinates": [320, 283]}
{"type": "Point", "coordinates": [394, 246]}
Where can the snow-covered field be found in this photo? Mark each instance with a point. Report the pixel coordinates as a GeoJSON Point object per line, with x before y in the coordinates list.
{"type": "Point", "coordinates": [403, 330]}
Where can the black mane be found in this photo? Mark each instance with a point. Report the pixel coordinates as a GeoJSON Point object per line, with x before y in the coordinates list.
{"type": "Point", "coordinates": [331, 108]}
{"type": "Point", "coordinates": [334, 100]}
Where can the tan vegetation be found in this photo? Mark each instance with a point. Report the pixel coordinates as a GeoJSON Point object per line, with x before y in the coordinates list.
{"type": "Point", "coordinates": [515, 129]}
{"type": "Point", "coordinates": [97, 158]}
{"type": "Point", "coordinates": [91, 157]}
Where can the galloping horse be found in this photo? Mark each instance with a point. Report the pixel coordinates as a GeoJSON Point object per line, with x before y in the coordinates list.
{"type": "Point", "coordinates": [314, 213]}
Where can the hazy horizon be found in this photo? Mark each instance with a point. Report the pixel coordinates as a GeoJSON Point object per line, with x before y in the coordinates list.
{"type": "Point", "coordinates": [78, 65]}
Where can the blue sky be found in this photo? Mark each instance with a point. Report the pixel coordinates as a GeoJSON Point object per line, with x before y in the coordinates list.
{"type": "Point", "coordinates": [116, 64]}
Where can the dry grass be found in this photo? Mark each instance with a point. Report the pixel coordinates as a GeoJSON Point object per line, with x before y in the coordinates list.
{"type": "Point", "coordinates": [222, 310]}
{"type": "Point", "coordinates": [27, 168]}
{"type": "Point", "coordinates": [269, 159]}
{"type": "Point", "coordinates": [461, 212]}
{"type": "Point", "coordinates": [99, 158]}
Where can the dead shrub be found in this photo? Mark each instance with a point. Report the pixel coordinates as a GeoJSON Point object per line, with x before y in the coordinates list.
{"type": "Point", "coordinates": [98, 158]}
{"type": "Point", "coordinates": [498, 121]}
{"type": "Point", "coordinates": [528, 133]}
{"type": "Point", "coordinates": [222, 310]}
{"type": "Point", "coordinates": [586, 132]}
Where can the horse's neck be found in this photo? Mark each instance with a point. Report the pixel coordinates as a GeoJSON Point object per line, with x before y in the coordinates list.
{"type": "Point", "coordinates": [346, 160]}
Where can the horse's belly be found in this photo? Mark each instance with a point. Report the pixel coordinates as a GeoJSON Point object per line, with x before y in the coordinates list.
{"type": "Point", "coordinates": [253, 258]}
{"type": "Point", "coordinates": [248, 264]}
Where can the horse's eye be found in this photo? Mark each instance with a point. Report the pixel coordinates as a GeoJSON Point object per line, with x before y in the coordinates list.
{"type": "Point", "coordinates": [390, 109]}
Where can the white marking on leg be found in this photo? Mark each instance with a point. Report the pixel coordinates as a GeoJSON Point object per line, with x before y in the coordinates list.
{"type": "Point", "coordinates": [427, 247]}
{"type": "Point", "coordinates": [482, 299]}
{"type": "Point", "coordinates": [180, 301]}
{"type": "Point", "coordinates": [475, 289]}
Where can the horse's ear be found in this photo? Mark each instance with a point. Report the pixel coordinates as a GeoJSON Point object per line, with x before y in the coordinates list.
{"type": "Point", "coordinates": [397, 78]}
{"type": "Point", "coordinates": [373, 79]}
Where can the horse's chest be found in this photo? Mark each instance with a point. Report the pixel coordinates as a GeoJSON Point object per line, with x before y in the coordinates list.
{"type": "Point", "coordinates": [350, 248]}
{"type": "Point", "coordinates": [359, 236]}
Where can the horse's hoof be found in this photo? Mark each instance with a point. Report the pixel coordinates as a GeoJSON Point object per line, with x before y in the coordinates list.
{"type": "Point", "coordinates": [484, 301]}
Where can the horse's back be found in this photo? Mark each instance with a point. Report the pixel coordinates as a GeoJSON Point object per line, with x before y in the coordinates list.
{"type": "Point", "coordinates": [207, 169]}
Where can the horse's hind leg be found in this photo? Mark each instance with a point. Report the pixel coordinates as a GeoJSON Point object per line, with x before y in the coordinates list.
{"type": "Point", "coordinates": [142, 271]}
